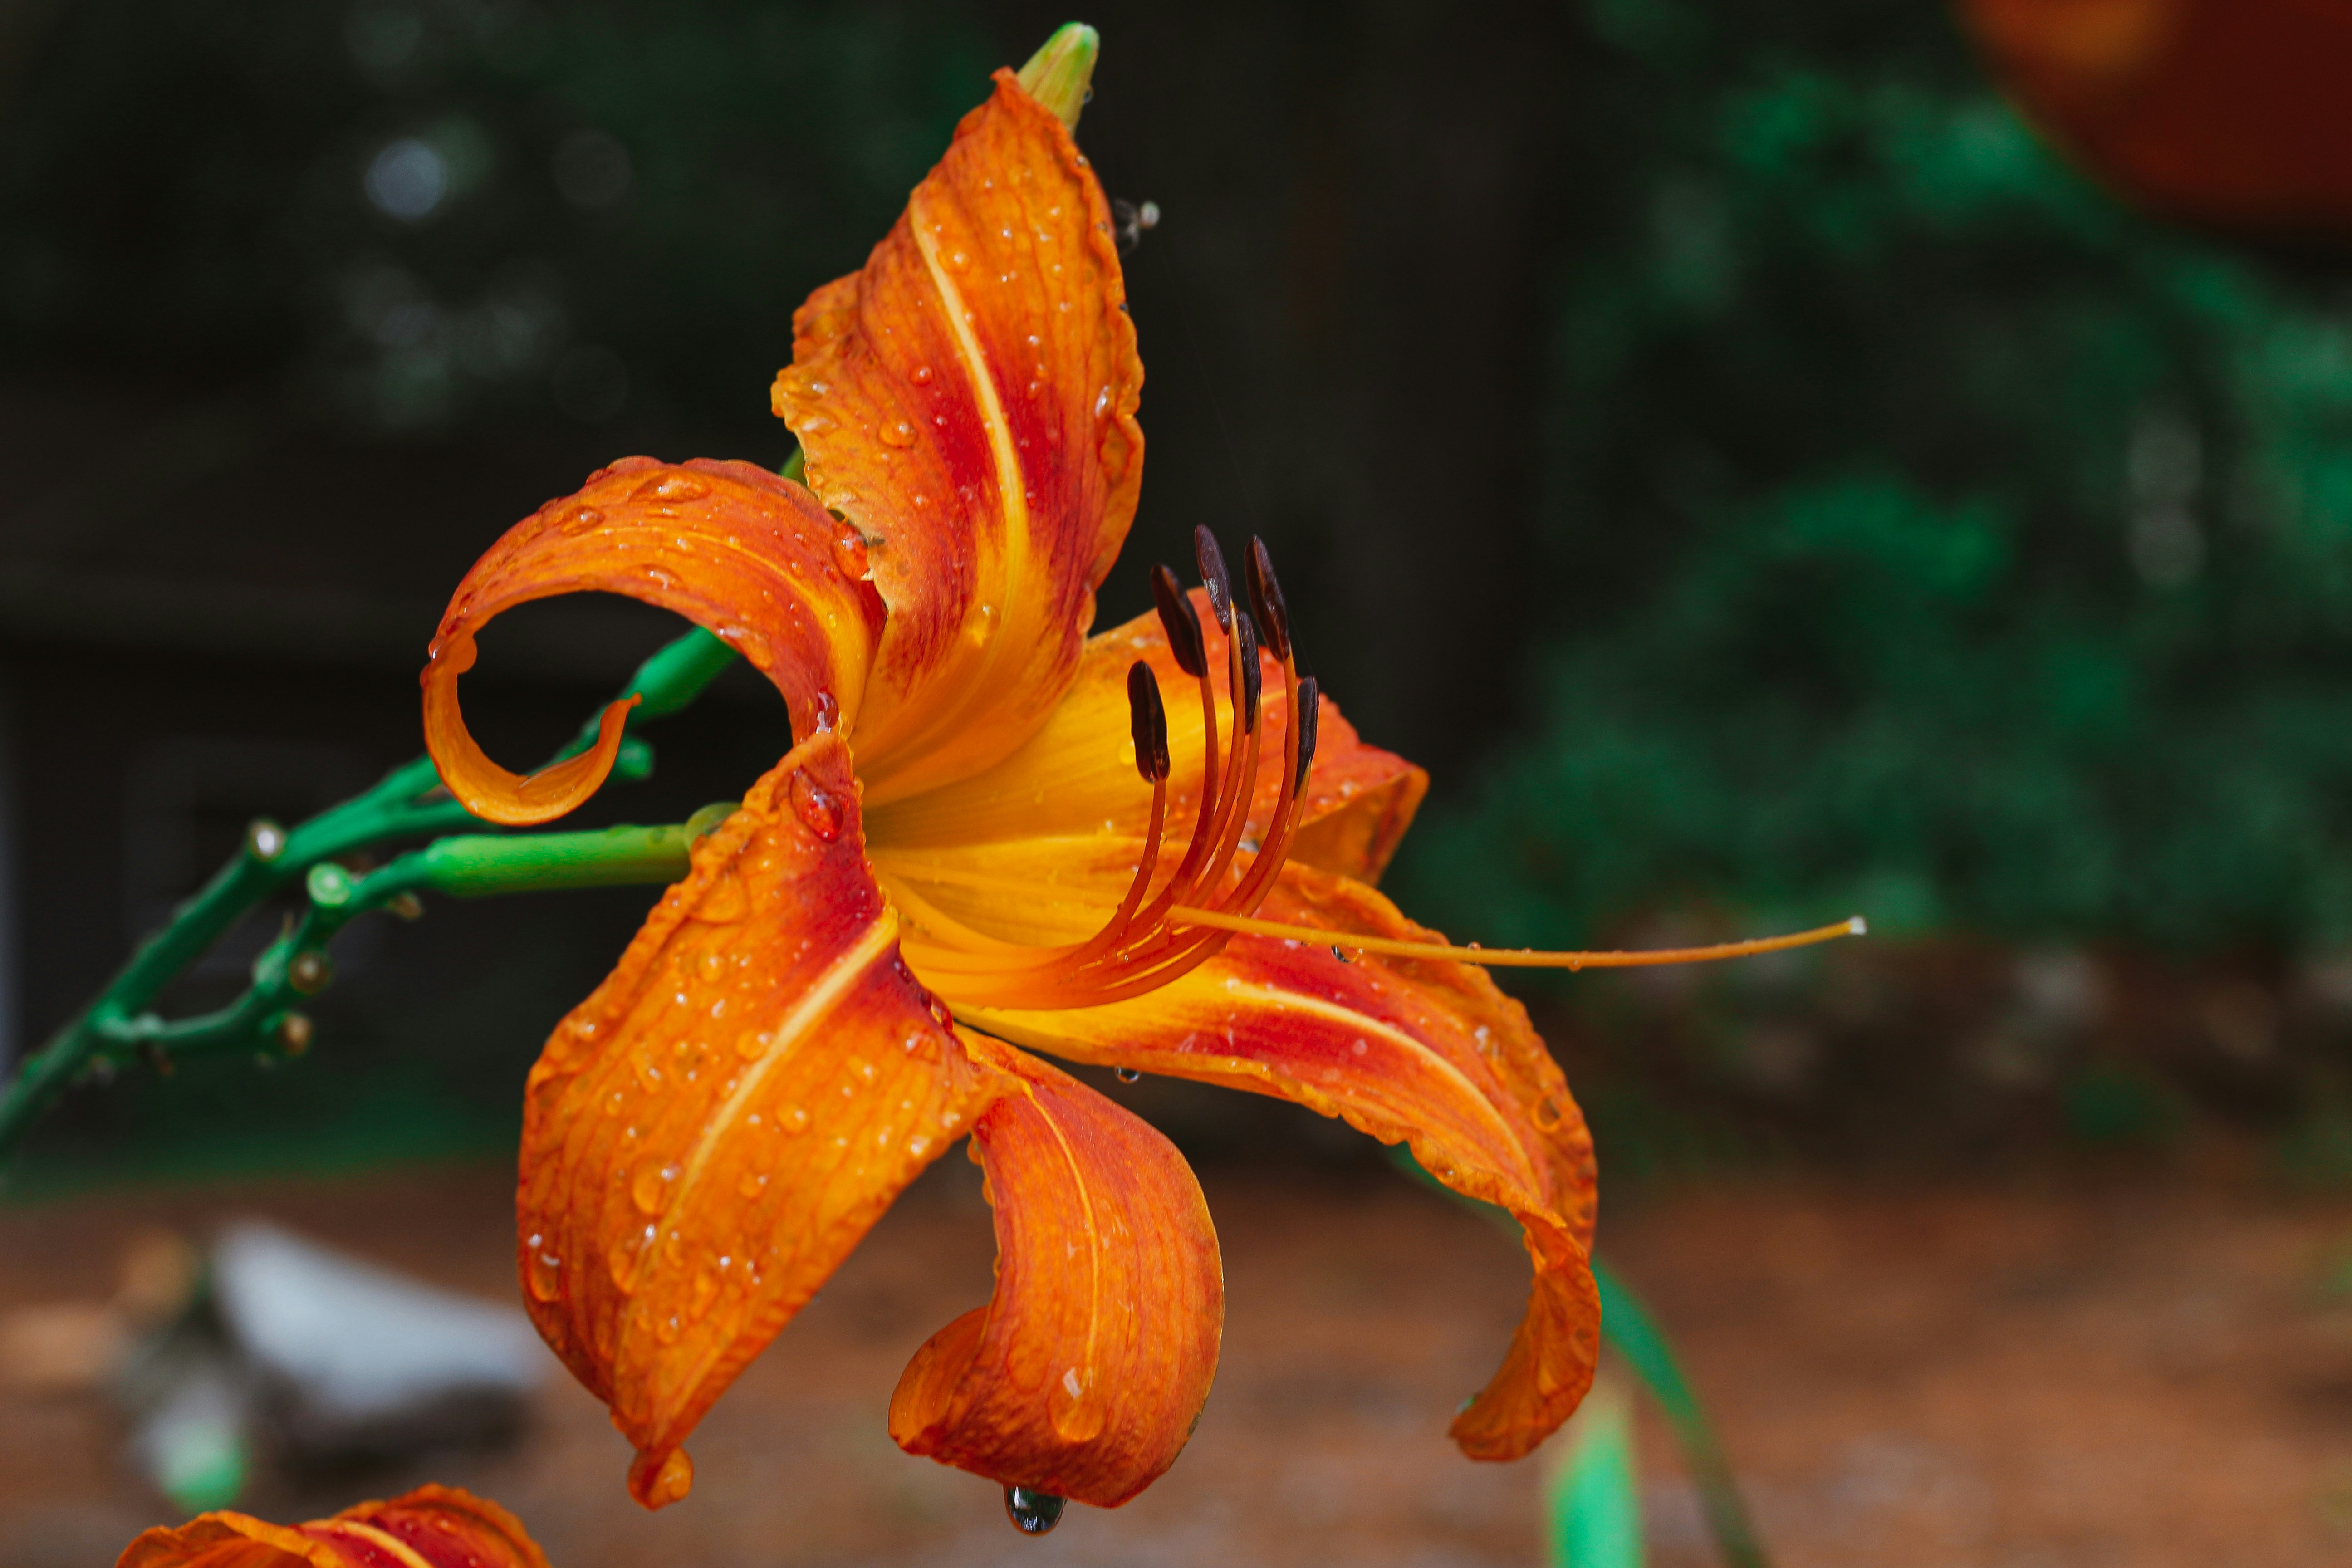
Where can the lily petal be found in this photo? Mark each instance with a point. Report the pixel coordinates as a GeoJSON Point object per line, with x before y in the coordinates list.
{"type": "Point", "coordinates": [1075, 777]}
{"type": "Point", "coordinates": [1430, 1054]}
{"type": "Point", "coordinates": [710, 1132]}
{"type": "Point", "coordinates": [434, 1527]}
{"type": "Point", "coordinates": [1086, 1374]}
{"type": "Point", "coordinates": [744, 553]}
{"type": "Point", "coordinates": [969, 401]}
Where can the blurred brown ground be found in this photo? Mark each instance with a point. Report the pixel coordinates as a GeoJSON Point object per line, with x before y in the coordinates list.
{"type": "Point", "coordinates": [2101, 1371]}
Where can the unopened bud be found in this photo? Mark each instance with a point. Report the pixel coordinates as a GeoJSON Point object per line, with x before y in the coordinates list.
{"type": "Point", "coordinates": [1059, 76]}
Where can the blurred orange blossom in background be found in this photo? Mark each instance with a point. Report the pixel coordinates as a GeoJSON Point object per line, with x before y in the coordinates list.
{"type": "Point", "coordinates": [2231, 112]}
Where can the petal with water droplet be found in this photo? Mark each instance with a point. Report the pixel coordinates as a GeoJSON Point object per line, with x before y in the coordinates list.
{"type": "Point", "coordinates": [824, 1009]}
{"type": "Point", "coordinates": [731, 547]}
{"type": "Point", "coordinates": [1448, 1065]}
{"type": "Point", "coordinates": [926, 355]}
{"type": "Point", "coordinates": [1083, 1376]}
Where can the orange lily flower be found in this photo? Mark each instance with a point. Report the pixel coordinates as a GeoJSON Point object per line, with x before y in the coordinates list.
{"type": "Point", "coordinates": [974, 847]}
{"type": "Point", "coordinates": [2224, 112]}
{"type": "Point", "coordinates": [432, 1527]}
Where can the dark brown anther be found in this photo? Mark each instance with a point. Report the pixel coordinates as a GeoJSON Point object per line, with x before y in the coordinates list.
{"type": "Point", "coordinates": [1183, 626]}
{"type": "Point", "coordinates": [1246, 635]}
{"type": "Point", "coordinates": [1266, 599]}
{"type": "Point", "coordinates": [1213, 576]}
{"type": "Point", "coordinates": [1149, 721]}
{"type": "Point", "coordinates": [1310, 713]}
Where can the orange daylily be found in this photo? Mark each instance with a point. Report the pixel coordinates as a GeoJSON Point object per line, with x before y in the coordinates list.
{"type": "Point", "coordinates": [993, 833]}
{"type": "Point", "coordinates": [432, 1527]}
{"type": "Point", "coordinates": [2222, 111]}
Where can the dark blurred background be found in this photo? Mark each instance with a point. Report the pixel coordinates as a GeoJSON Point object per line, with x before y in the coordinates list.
{"type": "Point", "coordinates": [1756, 475]}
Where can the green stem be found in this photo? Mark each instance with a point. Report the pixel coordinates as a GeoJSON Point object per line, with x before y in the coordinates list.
{"type": "Point", "coordinates": [1627, 1328]}
{"type": "Point", "coordinates": [406, 804]}
{"type": "Point", "coordinates": [1627, 1325]}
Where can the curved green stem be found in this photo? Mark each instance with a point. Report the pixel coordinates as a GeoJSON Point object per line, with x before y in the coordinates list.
{"type": "Point", "coordinates": [406, 804]}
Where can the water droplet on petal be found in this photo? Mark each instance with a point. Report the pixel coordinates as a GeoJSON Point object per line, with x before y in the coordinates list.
{"type": "Point", "coordinates": [819, 812]}
{"type": "Point", "coordinates": [671, 487]}
{"type": "Point", "coordinates": [1076, 1415]}
{"type": "Point", "coordinates": [897, 433]}
{"type": "Point", "coordinates": [581, 519]}
{"type": "Point", "coordinates": [849, 546]}
{"type": "Point", "coordinates": [650, 1186]}
{"type": "Point", "coordinates": [793, 1120]}
{"type": "Point", "coordinates": [1547, 1114]}
{"type": "Point", "coordinates": [673, 1481]}
{"type": "Point", "coordinates": [922, 375]}
{"type": "Point", "coordinates": [1033, 1513]}
{"type": "Point", "coordinates": [724, 902]}
{"type": "Point", "coordinates": [544, 1277]}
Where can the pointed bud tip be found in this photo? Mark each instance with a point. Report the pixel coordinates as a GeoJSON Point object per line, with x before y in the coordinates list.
{"type": "Point", "coordinates": [1058, 76]}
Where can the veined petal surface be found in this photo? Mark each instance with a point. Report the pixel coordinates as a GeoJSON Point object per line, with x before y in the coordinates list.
{"type": "Point", "coordinates": [1430, 1054]}
{"type": "Point", "coordinates": [709, 1133]}
{"type": "Point", "coordinates": [432, 1527]}
{"type": "Point", "coordinates": [741, 552]}
{"type": "Point", "coordinates": [1086, 1373]}
{"type": "Point", "coordinates": [1075, 778]}
{"type": "Point", "coordinates": [968, 400]}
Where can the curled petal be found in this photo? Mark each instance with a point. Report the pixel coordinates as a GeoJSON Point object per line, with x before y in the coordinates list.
{"type": "Point", "coordinates": [438, 1527]}
{"type": "Point", "coordinates": [747, 556]}
{"type": "Point", "coordinates": [708, 1134]}
{"type": "Point", "coordinates": [1075, 777]}
{"type": "Point", "coordinates": [1430, 1054]}
{"type": "Point", "coordinates": [1086, 1373]}
{"type": "Point", "coordinates": [969, 400]}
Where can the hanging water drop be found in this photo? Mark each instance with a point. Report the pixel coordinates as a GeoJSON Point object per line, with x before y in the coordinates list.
{"type": "Point", "coordinates": [1033, 1513]}
{"type": "Point", "coordinates": [1129, 1075]}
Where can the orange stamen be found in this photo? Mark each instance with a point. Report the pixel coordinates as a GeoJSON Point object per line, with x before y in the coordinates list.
{"type": "Point", "coordinates": [1145, 945]}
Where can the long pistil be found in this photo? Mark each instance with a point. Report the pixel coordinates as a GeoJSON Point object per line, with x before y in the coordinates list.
{"type": "Point", "coordinates": [1518, 957]}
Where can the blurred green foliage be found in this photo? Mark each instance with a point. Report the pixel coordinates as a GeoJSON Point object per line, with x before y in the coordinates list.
{"type": "Point", "coordinates": [1929, 535]}
{"type": "Point", "coordinates": [423, 215]}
